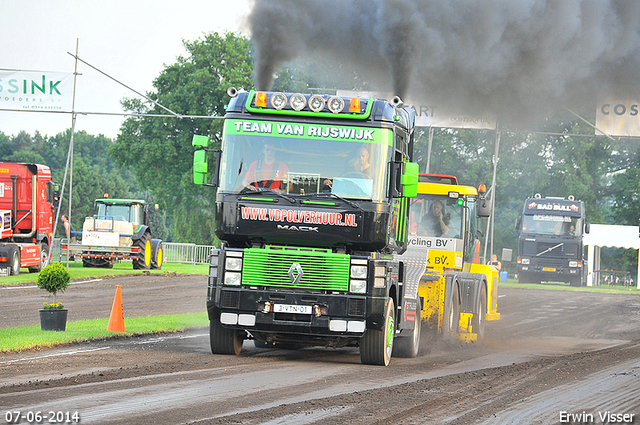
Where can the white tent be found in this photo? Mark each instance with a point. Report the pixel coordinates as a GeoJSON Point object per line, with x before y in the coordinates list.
{"type": "Point", "coordinates": [610, 236]}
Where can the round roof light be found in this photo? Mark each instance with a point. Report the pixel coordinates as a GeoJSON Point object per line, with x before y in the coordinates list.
{"type": "Point", "coordinates": [298, 102]}
{"type": "Point", "coordinates": [278, 100]}
{"type": "Point", "coordinates": [336, 104]}
{"type": "Point", "coordinates": [316, 103]}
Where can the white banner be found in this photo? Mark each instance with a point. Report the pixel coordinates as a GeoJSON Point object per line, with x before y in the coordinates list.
{"type": "Point", "coordinates": [434, 115]}
{"type": "Point", "coordinates": [619, 115]}
{"type": "Point", "coordinates": [36, 90]}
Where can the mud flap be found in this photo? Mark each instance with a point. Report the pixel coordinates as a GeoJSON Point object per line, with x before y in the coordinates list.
{"type": "Point", "coordinates": [408, 320]}
{"type": "Point", "coordinates": [465, 329]}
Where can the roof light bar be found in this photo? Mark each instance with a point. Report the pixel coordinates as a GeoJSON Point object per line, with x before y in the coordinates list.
{"type": "Point", "coordinates": [328, 106]}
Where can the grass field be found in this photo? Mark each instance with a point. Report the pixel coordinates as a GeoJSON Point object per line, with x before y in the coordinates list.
{"type": "Point", "coordinates": [78, 272]}
{"type": "Point", "coordinates": [558, 286]}
{"type": "Point", "coordinates": [29, 337]}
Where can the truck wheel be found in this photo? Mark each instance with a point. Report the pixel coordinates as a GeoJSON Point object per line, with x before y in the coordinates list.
{"type": "Point", "coordinates": [44, 259]}
{"type": "Point", "coordinates": [480, 316]}
{"type": "Point", "coordinates": [451, 317]}
{"type": "Point", "coordinates": [376, 346]}
{"type": "Point", "coordinates": [157, 256]}
{"type": "Point", "coordinates": [409, 346]}
{"type": "Point", "coordinates": [15, 261]}
{"type": "Point", "coordinates": [224, 340]}
{"type": "Point", "coordinates": [143, 262]}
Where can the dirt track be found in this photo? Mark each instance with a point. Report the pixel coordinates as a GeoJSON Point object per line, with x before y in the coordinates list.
{"type": "Point", "coordinates": [552, 354]}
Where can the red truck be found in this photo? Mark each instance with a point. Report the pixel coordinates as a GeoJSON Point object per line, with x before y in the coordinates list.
{"type": "Point", "coordinates": [28, 197]}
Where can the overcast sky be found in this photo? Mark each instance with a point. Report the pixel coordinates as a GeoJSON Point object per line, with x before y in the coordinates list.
{"type": "Point", "coordinates": [128, 40]}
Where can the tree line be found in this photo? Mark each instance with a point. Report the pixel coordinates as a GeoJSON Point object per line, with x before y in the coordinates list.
{"type": "Point", "coordinates": [152, 156]}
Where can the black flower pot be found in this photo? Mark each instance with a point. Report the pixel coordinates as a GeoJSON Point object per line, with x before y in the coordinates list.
{"type": "Point", "coordinates": [53, 320]}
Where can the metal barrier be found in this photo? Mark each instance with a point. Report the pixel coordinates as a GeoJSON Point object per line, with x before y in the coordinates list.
{"type": "Point", "coordinates": [173, 252]}
{"type": "Point", "coordinates": [186, 253]}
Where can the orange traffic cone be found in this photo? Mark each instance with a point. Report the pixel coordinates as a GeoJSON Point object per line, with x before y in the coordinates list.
{"type": "Point", "coordinates": [116, 321]}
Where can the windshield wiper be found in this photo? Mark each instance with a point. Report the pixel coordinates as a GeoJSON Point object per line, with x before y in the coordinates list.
{"type": "Point", "coordinates": [268, 190]}
{"type": "Point", "coordinates": [549, 249]}
{"type": "Point", "coordinates": [333, 195]}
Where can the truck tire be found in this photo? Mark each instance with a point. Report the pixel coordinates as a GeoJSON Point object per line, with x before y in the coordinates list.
{"type": "Point", "coordinates": [143, 262]}
{"type": "Point", "coordinates": [376, 346]}
{"type": "Point", "coordinates": [409, 346]}
{"type": "Point", "coordinates": [15, 261]}
{"type": "Point", "coordinates": [157, 254]}
{"type": "Point", "coordinates": [451, 317]}
{"type": "Point", "coordinates": [44, 259]}
{"type": "Point", "coordinates": [224, 340]}
{"type": "Point", "coordinates": [479, 317]}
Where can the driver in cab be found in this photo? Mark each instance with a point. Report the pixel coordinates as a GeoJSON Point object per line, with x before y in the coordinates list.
{"type": "Point", "coordinates": [266, 172]}
{"type": "Point", "coordinates": [435, 222]}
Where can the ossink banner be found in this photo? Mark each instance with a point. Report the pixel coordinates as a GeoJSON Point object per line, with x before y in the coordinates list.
{"type": "Point", "coordinates": [36, 90]}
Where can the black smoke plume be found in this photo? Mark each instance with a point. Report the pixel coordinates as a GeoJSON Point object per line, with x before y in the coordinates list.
{"type": "Point", "coordinates": [515, 57]}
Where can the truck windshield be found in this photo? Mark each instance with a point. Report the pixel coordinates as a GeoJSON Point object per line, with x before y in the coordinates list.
{"type": "Point", "coordinates": [436, 216]}
{"type": "Point", "coordinates": [558, 225]}
{"type": "Point", "coordinates": [301, 159]}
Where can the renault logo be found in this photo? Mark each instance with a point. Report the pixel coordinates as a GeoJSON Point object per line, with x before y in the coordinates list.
{"type": "Point", "coordinates": [295, 273]}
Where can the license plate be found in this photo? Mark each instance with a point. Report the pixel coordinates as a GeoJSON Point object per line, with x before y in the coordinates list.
{"type": "Point", "coordinates": [4, 271]}
{"type": "Point", "coordinates": [548, 269]}
{"type": "Point", "coordinates": [288, 308]}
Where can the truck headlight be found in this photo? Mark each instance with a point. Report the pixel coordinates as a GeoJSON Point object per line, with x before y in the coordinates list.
{"type": "Point", "coordinates": [358, 286]}
{"type": "Point", "coordinates": [232, 278]}
{"type": "Point", "coordinates": [233, 263]}
{"type": "Point", "coordinates": [573, 264]}
{"type": "Point", "coordinates": [525, 261]}
{"type": "Point", "coordinates": [358, 272]}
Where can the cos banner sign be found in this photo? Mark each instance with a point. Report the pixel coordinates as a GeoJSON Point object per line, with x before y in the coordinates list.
{"type": "Point", "coordinates": [619, 115]}
{"type": "Point", "coordinates": [36, 90]}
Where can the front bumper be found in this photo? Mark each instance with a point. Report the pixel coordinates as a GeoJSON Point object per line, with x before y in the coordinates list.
{"type": "Point", "coordinates": [330, 315]}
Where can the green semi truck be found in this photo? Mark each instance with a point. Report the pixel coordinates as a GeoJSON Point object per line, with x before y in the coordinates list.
{"type": "Point", "coordinates": [312, 209]}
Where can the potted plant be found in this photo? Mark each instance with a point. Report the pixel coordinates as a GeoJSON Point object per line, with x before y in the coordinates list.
{"type": "Point", "coordinates": [54, 278]}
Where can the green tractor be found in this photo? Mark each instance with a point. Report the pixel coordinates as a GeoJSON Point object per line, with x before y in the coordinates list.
{"type": "Point", "coordinates": [119, 231]}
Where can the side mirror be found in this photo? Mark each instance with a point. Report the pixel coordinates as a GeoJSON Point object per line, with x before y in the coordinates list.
{"type": "Point", "coordinates": [410, 179]}
{"type": "Point", "coordinates": [200, 164]}
{"type": "Point", "coordinates": [484, 208]}
{"type": "Point", "coordinates": [200, 167]}
{"type": "Point", "coordinates": [518, 223]}
{"type": "Point", "coordinates": [587, 227]}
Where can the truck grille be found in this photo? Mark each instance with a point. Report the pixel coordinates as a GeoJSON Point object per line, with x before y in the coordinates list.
{"type": "Point", "coordinates": [533, 249]}
{"type": "Point", "coordinates": [321, 269]}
